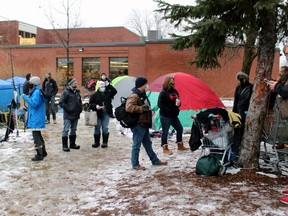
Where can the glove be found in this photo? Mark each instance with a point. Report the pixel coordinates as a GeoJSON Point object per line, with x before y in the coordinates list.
{"type": "Point", "coordinates": [99, 107]}
{"type": "Point", "coordinates": [145, 107]}
{"type": "Point", "coordinates": [106, 83]}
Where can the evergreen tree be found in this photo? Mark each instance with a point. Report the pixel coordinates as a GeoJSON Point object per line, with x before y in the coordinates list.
{"type": "Point", "coordinates": [213, 25]}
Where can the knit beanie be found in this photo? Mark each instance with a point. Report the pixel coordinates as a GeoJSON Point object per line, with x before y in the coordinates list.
{"type": "Point", "coordinates": [140, 81]}
{"type": "Point", "coordinates": [71, 81]}
{"type": "Point", "coordinates": [35, 80]}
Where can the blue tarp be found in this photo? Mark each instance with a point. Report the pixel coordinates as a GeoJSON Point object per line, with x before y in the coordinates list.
{"type": "Point", "coordinates": [17, 80]}
{"type": "Point", "coordinates": [7, 93]}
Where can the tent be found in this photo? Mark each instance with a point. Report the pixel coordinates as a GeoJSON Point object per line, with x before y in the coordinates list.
{"type": "Point", "coordinates": [194, 94]}
{"type": "Point", "coordinates": [123, 85]}
{"type": "Point", "coordinates": [7, 94]}
{"type": "Point", "coordinates": [18, 82]}
{"type": "Point", "coordinates": [7, 91]}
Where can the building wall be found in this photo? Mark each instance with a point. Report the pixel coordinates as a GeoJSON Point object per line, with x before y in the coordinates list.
{"type": "Point", "coordinates": [150, 59]}
{"type": "Point", "coordinates": [89, 35]}
{"type": "Point", "coordinates": [10, 32]}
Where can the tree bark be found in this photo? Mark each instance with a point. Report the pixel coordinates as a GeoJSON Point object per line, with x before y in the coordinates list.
{"type": "Point", "coordinates": [250, 147]}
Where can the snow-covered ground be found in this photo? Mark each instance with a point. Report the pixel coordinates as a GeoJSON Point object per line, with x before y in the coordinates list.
{"type": "Point", "coordinates": [101, 182]}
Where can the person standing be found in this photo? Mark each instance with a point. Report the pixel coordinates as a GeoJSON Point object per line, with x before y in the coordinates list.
{"type": "Point", "coordinates": [241, 103]}
{"type": "Point", "coordinates": [279, 95]}
{"type": "Point", "coordinates": [138, 102]}
{"type": "Point", "coordinates": [169, 103]}
{"type": "Point", "coordinates": [26, 84]}
{"type": "Point", "coordinates": [36, 117]}
{"type": "Point", "coordinates": [101, 101]}
{"type": "Point", "coordinates": [70, 101]}
{"type": "Point", "coordinates": [49, 86]}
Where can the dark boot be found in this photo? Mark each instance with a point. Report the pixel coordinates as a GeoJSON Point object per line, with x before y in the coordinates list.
{"type": "Point", "coordinates": [44, 151]}
{"type": "Point", "coordinates": [105, 140]}
{"type": "Point", "coordinates": [73, 145]}
{"type": "Point", "coordinates": [39, 155]}
{"type": "Point", "coordinates": [65, 144]}
{"type": "Point", "coordinates": [96, 140]}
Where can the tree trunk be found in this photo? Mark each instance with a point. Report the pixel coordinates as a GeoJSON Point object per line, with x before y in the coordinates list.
{"type": "Point", "coordinates": [250, 148]}
{"type": "Point", "coordinates": [249, 53]}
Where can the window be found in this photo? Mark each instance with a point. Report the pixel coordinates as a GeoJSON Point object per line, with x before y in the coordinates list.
{"type": "Point", "coordinates": [90, 69]}
{"type": "Point", "coordinates": [116, 65]}
{"type": "Point", "coordinates": [62, 70]}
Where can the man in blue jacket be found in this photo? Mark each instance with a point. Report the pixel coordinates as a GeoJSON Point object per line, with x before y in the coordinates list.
{"type": "Point", "coordinates": [36, 116]}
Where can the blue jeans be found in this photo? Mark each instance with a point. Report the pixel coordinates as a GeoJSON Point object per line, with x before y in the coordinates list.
{"type": "Point", "coordinates": [102, 123]}
{"type": "Point", "coordinates": [166, 122]}
{"type": "Point", "coordinates": [69, 124]}
{"type": "Point", "coordinates": [52, 101]}
{"type": "Point", "coordinates": [141, 135]}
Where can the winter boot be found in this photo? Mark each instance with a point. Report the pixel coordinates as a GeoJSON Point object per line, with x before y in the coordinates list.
{"type": "Point", "coordinates": [39, 155]}
{"type": "Point", "coordinates": [181, 147]}
{"type": "Point", "coordinates": [96, 140]}
{"type": "Point", "coordinates": [105, 140]}
{"type": "Point", "coordinates": [65, 144]}
{"type": "Point", "coordinates": [73, 145]}
{"type": "Point", "coordinates": [166, 150]}
{"type": "Point", "coordinates": [44, 151]}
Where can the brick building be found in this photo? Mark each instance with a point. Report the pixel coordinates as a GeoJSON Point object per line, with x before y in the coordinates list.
{"type": "Point", "coordinates": [96, 50]}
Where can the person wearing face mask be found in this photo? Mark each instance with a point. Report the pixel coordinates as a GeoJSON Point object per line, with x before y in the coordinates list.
{"type": "Point", "coordinates": [101, 102]}
{"type": "Point", "coordinates": [169, 103]}
{"type": "Point", "coordinates": [241, 103]}
{"type": "Point", "coordinates": [103, 78]}
{"type": "Point", "coordinates": [70, 101]}
{"type": "Point", "coordinates": [49, 86]}
{"type": "Point", "coordinates": [36, 116]}
{"type": "Point", "coordinates": [138, 102]}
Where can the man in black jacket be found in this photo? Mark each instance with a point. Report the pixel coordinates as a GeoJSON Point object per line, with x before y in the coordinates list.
{"type": "Point", "coordinates": [242, 97]}
{"type": "Point", "coordinates": [50, 88]}
{"type": "Point", "coordinates": [70, 101]}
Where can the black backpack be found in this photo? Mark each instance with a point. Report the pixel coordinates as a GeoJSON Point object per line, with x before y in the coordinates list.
{"type": "Point", "coordinates": [126, 119]}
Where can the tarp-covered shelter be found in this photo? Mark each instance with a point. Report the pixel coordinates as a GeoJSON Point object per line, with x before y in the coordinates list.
{"type": "Point", "coordinates": [194, 94]}
{"type": "Point", "coordinates": [123, 85]}
{"type": "Point", "coordinates": [7, 91]}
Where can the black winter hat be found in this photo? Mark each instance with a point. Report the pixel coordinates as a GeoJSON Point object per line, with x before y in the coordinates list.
{"type": "Point", "coordinates": [140, 81]}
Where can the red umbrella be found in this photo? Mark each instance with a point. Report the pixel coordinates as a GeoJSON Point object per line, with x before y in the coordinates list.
{"type": "Point", "coordinates": [194, 93]}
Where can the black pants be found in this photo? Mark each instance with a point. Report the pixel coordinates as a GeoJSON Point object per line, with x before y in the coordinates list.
{"type": "Point", "coordinates": [38, 139]}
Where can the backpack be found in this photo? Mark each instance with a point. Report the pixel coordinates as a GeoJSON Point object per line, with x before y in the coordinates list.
{"type": "Point", "coordinates": [126, 119]}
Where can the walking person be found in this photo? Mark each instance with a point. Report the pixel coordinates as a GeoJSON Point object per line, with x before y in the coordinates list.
{"type": "Point", "coordinates": [169, 103]}
{"type": "Point", "coordinates": [101, 102]}
{"type": "Point", "coordinates": [36, 116]}
{"type": "Point", "coordinates": [50, 88]}
{"type": "Point", "coordinates": [70, 101]}
{"type": "Point", "coordinates": [138, 102]}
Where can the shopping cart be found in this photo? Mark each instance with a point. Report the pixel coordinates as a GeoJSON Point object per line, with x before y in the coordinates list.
{"type": "Point", "coordinates": [275, 133]}
{"type": "Point", "coordinates": [216, 135]}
